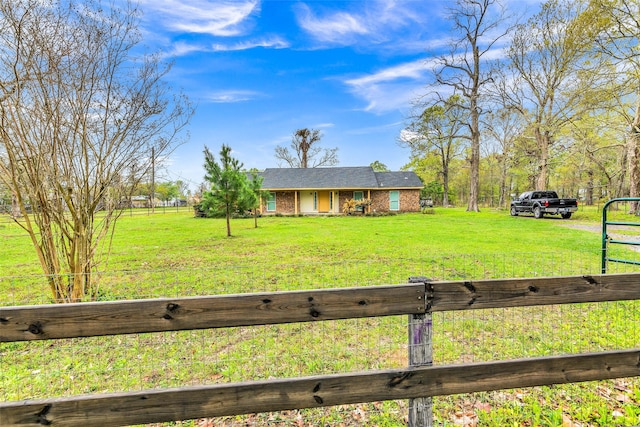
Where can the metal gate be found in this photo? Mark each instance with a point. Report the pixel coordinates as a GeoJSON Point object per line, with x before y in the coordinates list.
{"type": "Point", "coordinates": [607, 240]}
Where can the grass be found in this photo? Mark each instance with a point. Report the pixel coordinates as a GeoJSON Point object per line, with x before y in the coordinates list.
{"type": "Point", "coordinates": [179, 241]}
{"type": "Point", "coordinates": [178, 255]}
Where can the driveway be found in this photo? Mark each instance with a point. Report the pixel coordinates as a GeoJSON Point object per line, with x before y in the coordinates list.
{"type": "Point", "coordinates": [615, 232]}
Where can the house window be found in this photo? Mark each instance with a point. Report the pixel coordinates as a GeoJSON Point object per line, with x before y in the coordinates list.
{"type": "Point", "coordinates": [315, 200]}
{"type": "Point", "coordinates": [358, 195]}
{"type": "Point", "coordinates": [394, 200]}
{"type": "Point", "coordinates": [271, 202]}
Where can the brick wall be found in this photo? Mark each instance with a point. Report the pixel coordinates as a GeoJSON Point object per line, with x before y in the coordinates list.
{"type": "Point", "coordinates": [285, 203]}
{"type": "Point", "coordinates": [379, 201]}
{"type": "Point", "coordinates": [409, 201]}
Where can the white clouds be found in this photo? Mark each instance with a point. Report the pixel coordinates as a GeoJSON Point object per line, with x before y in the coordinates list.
{"type": "Point", "coordinates": [375, 129]}
{"type": "Point", "coordinates": [335, 28]}
{"type": "Point", "coordinates": [411, 70]}
{"type": "Point", "coordinates": [268, 42]}
{"type": "Point", "coordinates": [323, 126]}
{"type": "Point", "coordinates": [214, 17]}
{"type": "Point", "coordinates": [371, 22]}
{"type": "Point", "coordinates": [391, 88]}
{"type": "Point", "coordinates": [231, 96]}
{"type": "Point", "coordinates": [182, 49]}
{"type": "Point", "coordinates": [222, 19]}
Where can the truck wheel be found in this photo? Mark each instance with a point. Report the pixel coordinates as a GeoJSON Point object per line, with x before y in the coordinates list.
{"type": "Point", "coordinates": [566, 215]}
{"type": "Point", "coordinates": [514, 212]}
{"type": "Point", "coordinates": [537, 212]}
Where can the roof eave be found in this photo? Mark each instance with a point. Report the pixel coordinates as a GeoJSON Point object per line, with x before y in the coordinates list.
{"type": "Point", "coordinates": [340, 189]}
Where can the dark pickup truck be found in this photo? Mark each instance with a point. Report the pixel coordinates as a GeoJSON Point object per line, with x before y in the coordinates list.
{"type": "Point", "coordinates": [543, 202]}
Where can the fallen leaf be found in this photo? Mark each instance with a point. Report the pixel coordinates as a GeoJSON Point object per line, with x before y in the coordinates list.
{"type": "Point", "coordinates": [468, 419]}
{"type": "Point", "coordinates": [623, 398]}
{"type": "Point", "coordinates": [621, 385]}
{"type": "Point", "coordinates": [603, 391]}
{"type": "Point", "coordinates": [484, 407]}
{"type": "Point", "coordinates": [568, 422]}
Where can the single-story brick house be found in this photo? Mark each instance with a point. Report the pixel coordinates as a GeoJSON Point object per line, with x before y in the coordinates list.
{"type": "Point", "coordinates": [325, 190]}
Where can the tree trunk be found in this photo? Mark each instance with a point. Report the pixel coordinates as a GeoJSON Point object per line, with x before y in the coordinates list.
{"type": "Point", "coordinates": [474, 173]}
{"type": "Point", "coordinates": [618, 190]}
{"type": "Point", "coordinates": [543, 142]}
{"type": "Point", "coordinates": [474, 184]}
{"type": "Point", "coordinates": [632, 160]}
{"type": "Point", "coordinates": [445, 182]}
{"type": "Point", "coordinates": [445, 187]}
{"type": "Point", "coordinates": [304, 147]}
{"type": "Point", "coordinates": [502, 201]}
{"type": "Point", "coordinates": [589, 195]}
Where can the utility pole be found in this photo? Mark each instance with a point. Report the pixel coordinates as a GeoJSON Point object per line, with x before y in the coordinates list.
{"type": "Point", "coordinates": [153, 180]}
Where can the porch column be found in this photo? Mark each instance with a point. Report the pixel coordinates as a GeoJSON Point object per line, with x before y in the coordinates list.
{"type": "Point", "coordinates": [295, 202]}
{"type": "Point", "coordinates": [369, 197]}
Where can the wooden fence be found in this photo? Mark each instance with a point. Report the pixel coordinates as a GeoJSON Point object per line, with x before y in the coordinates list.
{"type": "Point", "coordinates": [44, 322]}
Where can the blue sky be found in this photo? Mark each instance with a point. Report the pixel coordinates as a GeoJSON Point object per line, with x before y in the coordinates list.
{"type": "Point", "coordinates": [259, 70]}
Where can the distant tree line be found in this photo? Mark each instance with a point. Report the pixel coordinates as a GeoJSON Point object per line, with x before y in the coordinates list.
{"type": "Point", "coordinates": [553, 102]}
{"type": "Point", "coordinates": [163, 192]}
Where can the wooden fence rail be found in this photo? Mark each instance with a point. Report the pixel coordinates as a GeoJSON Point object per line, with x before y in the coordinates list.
{"type": "Point", "coordinates": [130, 317]}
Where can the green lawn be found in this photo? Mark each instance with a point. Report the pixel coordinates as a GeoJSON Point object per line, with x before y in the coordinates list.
{"type": "Point", "coordinates": [195, 257]}
{"type": "Point", "coordinates": [174, 254]}
{"type": "Point", "coordinates": [179, 241]}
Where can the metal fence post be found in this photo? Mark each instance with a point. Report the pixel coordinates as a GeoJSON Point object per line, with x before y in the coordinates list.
{"type": "Point", "coordinates": [421, 354]}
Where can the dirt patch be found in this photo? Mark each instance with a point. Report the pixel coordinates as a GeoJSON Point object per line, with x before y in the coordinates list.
{"type": "Point", "coordinates": [593, 228]}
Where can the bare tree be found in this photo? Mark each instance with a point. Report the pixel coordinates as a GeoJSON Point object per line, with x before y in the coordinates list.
{"type": "Point", "coordinates": [619, 40]}
{"type": "Point", "coordinates": [79, 118]}
{"type": "Point", "coordinates": [552, 56]}
{"type": "Point", "coordinates": [463, 69]}
{"type": "Point", "coordinates": [306, 151]}
{"type": "Point", "coordinates": [438, 131]}
{"type": "Point", "coordinates": [598, 153]}
{"type": "Point", "coordinates": [504, 127]}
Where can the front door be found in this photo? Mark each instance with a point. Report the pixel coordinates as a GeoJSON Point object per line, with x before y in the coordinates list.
{"type": "Point", "coordinates": [324, 201]}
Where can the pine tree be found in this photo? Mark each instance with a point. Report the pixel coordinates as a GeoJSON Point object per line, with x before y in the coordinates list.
{"type": "Point", "coordinates": [228, 184]}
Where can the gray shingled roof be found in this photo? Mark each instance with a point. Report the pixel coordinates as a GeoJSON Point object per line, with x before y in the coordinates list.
{"type": "Point", "coordinates": [360, 177]}
{"type": "Point", "coordinates": [403, 179]}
